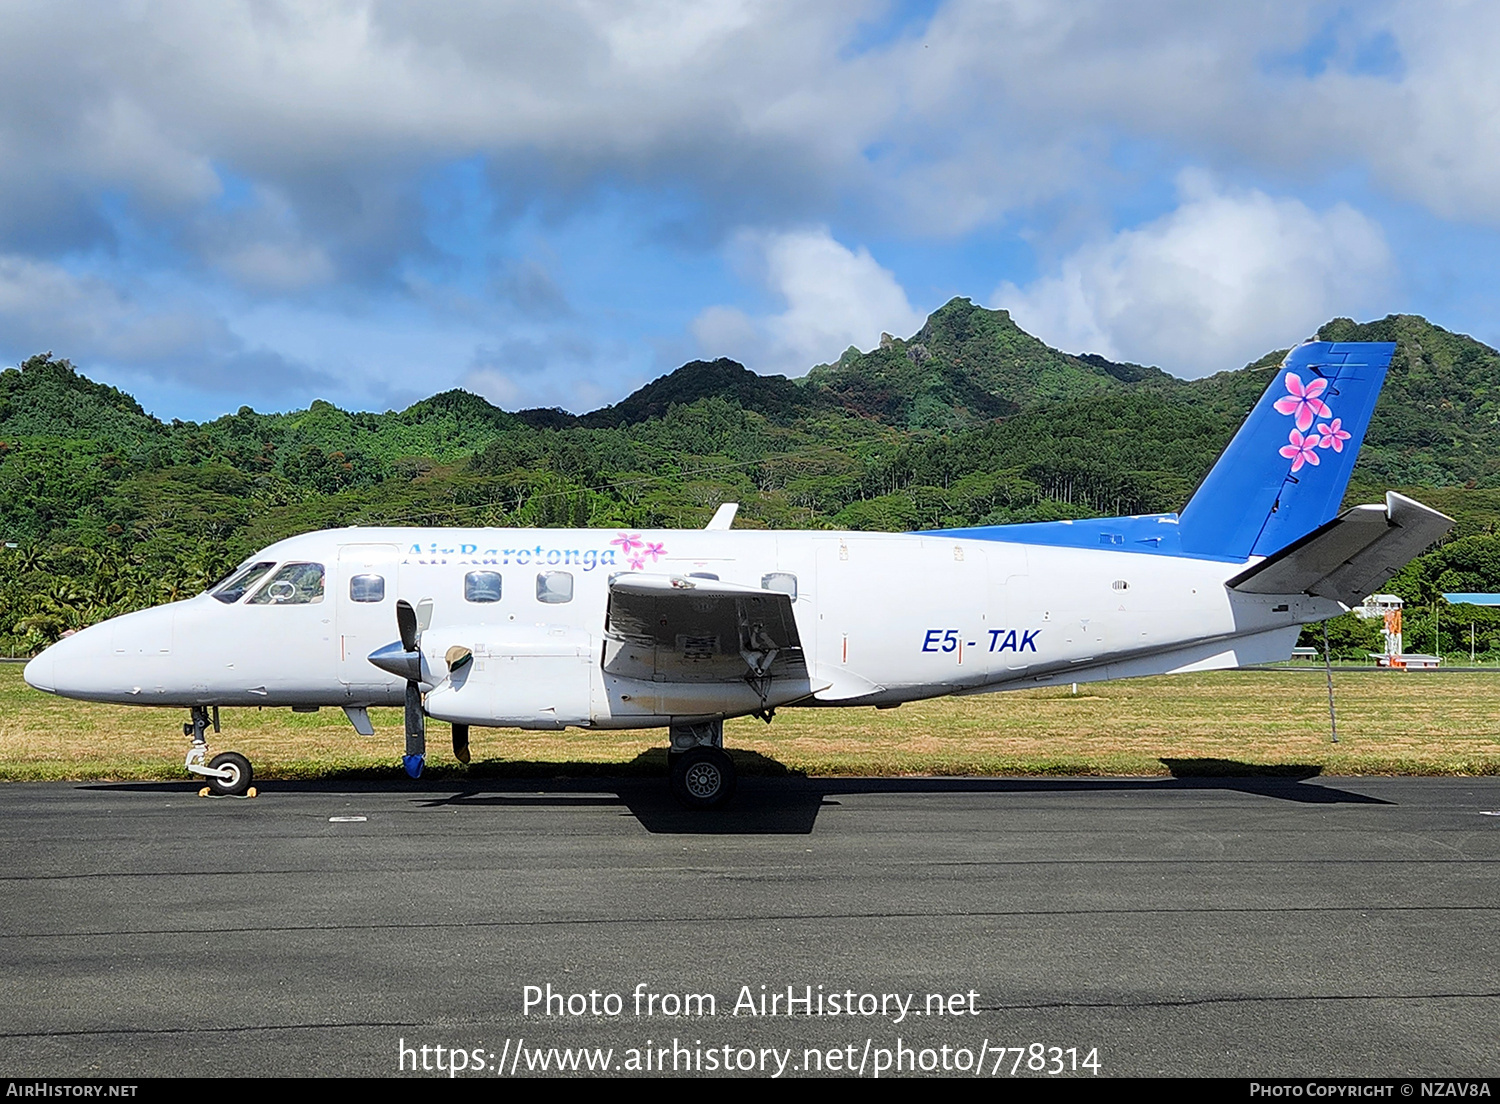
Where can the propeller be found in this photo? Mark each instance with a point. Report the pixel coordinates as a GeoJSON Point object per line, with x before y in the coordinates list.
{"type": "Point", "coordinates": [404, 659]}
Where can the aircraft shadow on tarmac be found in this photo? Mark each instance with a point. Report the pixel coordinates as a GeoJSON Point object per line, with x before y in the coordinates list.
{"type": "Point", "coordinates": [772, 799]}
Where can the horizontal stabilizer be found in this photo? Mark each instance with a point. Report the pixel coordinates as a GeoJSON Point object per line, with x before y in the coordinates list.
{"type": "Point", "coordinates": [1351, 556]}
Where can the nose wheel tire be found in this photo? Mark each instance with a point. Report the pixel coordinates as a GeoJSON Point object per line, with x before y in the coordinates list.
{"type": "Point", "coordinates": [703, 778]}
{"type": "Point", "coordinates": [239, 777]}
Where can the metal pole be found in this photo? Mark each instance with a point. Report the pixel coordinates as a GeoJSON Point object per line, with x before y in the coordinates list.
{"type": "Point", "coordinates": [1333, 721]}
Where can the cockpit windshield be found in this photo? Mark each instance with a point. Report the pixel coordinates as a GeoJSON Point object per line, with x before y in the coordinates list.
{"type": "Point", "coordinates": [295, 584]}
{"type": "Point", "coordinates": [242, 580]}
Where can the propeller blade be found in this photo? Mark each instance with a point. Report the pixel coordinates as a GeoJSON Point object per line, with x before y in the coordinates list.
{"type": "Point", "coordinates": [416, 732]}
{"type": "Point", "coordinates": [406, 623]}
{"type": "Point", "coordinates": [461, 742]}
{"type": "Point", "coordinates": [424, 615]}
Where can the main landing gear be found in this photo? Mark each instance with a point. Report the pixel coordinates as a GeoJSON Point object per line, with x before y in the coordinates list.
{"type": "Point", "coordinates": [702, 774]}
{"type": "Point", "coordinates": [228, 773]}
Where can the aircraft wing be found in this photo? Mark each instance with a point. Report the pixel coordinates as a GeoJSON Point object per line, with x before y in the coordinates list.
{"type": "Point", "coordinates": [673, 628]}
{"type": "Point", "coordinates": [1350, 556]}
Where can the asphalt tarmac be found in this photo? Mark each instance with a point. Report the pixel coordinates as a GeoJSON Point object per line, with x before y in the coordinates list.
{"type": "Point", "coordinates": [1242, 927]}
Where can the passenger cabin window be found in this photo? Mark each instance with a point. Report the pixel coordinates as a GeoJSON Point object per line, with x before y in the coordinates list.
{"type": "Point", "coordinates": [554, 587]}
{"type": "Point", "coordinates": [242, 580]}
{"type": "Point", "coordinates": [782, 582]}
{"type": "Point", "coordinates": [296, 584]}
{"type": "Point", "coordinates": [482, 586]}
{"type": "Point", "coordinates": [367, 588]}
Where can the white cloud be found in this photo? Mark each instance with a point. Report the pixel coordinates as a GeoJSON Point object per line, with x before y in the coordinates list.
{"type": "Point", "coordinates": [1210, 286]}
{"type": "Point", "coordinates": [257, 242]}
{"type": "Point", "coordinates": [43, 305]}
{"type": "Point", "coordinates": [835, 297]}
{"type": "Point", "coordinates": [276, 266]}
{"type": "Point", "coordinates": [495, 386]}
{"type": "Point", "coordinates": [546, 367]}
{"type": "Point", "coordinates": [990, 106]}
{"type": "Point", "coordinates": [87, 318]}
{"type": "Point", "coordinates": [1429, 134]}
{"type": "Point", "coordinates": [291, 153]}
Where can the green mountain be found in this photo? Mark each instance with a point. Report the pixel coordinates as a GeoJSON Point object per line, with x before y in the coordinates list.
{"type": "Point", "coordinates": [48, 398]}
{"type": "Point", "coordinates": [970, 420]}
{"type": "Point", "coordinates": [776, 397]}
{"type": "Point", "coordinates": [965, 366]}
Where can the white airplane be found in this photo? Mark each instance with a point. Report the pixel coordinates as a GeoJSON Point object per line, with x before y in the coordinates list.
{"type": "Point", "coordinates": [680, 629]}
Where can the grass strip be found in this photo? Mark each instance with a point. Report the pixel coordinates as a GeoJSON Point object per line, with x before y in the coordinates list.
{"type": "Point", "coordinates": [1245, 722]}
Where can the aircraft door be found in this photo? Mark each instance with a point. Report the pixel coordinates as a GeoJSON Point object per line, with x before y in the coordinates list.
{"type": "Point", "coordinates": [901, 613]}
{"type": "Point", "coordinates": [365, 601]}
{"type": "Point", "coordinates": [1013, 629]}
{"type": "Point", "coordinates": [961, 608]}
{"type": "Point", "coordinates": [854, 592]}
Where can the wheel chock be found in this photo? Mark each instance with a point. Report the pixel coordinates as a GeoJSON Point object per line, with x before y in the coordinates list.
{"type": "Point", "coordinates": [251, 792]}
{"type": "Point", "coordinates": [248, 794]}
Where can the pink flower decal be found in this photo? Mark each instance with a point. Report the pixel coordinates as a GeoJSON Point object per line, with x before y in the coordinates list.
{"type": "Point", "coordinates": [1301, 450]}
{"type": "Point", "coordinates": [1333, 435]}
{"type": "Point", "coordinates": [1304, 401]}
{"type": "Point", "coordinates": [636, 550]}
{"type": "Point", "coordinates": [629, 543]}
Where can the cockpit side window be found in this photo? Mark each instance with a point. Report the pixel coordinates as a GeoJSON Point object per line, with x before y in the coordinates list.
{"type": "Point", "coordinates": [367, 588]}
{"type": "Point", "coordinates": [296, 584]}
{"type": "Point", "coordinates": [242, 580]}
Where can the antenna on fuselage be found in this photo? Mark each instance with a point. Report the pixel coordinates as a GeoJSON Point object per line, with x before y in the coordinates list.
{"type": "Point", "coordinates": [724, 516]}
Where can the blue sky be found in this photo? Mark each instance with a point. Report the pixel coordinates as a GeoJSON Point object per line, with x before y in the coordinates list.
{"type": "Point", "coordinates": [550, 204]}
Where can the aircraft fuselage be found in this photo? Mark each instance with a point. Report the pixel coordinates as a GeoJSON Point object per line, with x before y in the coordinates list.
{"type": "Point", "coordinates": [882, 619]}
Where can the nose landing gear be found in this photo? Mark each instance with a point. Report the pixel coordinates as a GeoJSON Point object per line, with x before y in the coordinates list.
{"type": "Point", "coordinates": [229, 773]}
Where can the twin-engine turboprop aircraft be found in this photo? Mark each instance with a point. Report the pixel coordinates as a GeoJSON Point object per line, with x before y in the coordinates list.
{"type": "Point", "coordinates": [679, 629]}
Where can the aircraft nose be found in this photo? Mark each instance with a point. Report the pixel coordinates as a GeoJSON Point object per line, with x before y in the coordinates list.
{"type": "Point", "coordinates": [50, 670]}
{"type": "Point", "coordinates": [41, 672]}
{"type": "Point", "coordinates": [110, 661]}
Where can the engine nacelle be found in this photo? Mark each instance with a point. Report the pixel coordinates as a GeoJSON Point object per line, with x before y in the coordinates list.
{"type": "Point", "coordinates": [519, 677]}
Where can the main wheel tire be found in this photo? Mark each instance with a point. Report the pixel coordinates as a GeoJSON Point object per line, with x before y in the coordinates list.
{"type": "Point", "coordinates": [240, 774]}
{"type": "Point", "coordinates": [703, 777]}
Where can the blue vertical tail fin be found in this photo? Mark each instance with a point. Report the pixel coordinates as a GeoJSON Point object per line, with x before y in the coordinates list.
{"type": "Point", "coordinates": [1286, 470]}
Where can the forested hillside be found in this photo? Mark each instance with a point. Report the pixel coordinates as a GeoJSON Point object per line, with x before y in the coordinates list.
{"type": "Point", "coordinates": [968, 421]}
